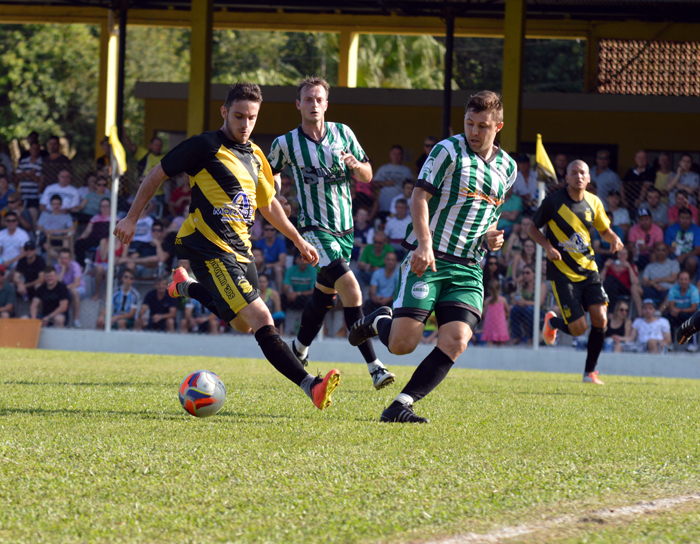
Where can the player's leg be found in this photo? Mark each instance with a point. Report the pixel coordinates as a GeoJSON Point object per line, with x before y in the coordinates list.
{"type": "Point", "coordinates": [596, 340]}
{"type": "Point", "coordinates": [688, 329]}
{"type": "Point", "coordinates": [573, 318]}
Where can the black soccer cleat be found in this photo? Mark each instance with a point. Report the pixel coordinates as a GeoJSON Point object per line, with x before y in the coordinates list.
{"type": "Point", "coordinates": [366, 328]}
{"type": "Point", "coordinates": [401, 413]}
{"type": "Point", "coordinates": [688, 329]}
{"type": "Point", "coordinates": [303, 360]}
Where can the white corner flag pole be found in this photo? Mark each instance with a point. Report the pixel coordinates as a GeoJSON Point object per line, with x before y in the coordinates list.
{"type": "Point", "coordinates": [112, 241]}
{"type": "Point", "coordinates": [538, 279]}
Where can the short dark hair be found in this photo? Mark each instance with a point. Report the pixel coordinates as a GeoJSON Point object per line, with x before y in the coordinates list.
{"type": "Point", "coordinates": [66, 250]}
{"type": "Point", "coordinates": [156, 138]}
{"type": "Point", "coordinates": [54, 137]}
{"type": "Point", "coordinates": [396, 146]}
{"type": "Point", "coordinates": [653, 190]}
{"type": "Point", "coordinates": [49, 269]}
{"type": "Point", "coordinates": [243, 91]}
{"type": "Point", "coordinates": [57, 197]}
{"type": "Point", "coordinates": [401, 201]}
{"type": "Point", "coordinates": [157, 223]}
{"type": "Point", "coordinates": [685, 211]}
{"type": "Point", "coordinates": [487, 101]}
{"type": "Point", "coordinates": [13, 214]}
{"type": "Point", "coordinates": [313, 81]}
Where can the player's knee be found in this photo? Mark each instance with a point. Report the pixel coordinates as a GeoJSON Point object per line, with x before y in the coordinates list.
{"type": "Point", "coordinates": [403, 344]}
{"type": "Point", "coordinates": [578, 327]}
{"type": "Point", "coordinates": [241, 325]}
{"type": "Point", "coordinates": [452, 346]}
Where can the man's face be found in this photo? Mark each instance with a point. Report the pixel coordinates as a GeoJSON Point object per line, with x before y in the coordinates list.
{"type": "Point", "coordinates": [14, 202]}
{"type": "Point", "coordinates": [684, 280]}
{"type": "Point", "coordinates": [661, 253]}
{"type": "Point", "coordinates": [653, 199]}
{"type": "Point", "coordinates": [127, 280]}
{"type": "Point", "coordinates": [602, 161]}
{"type": "Point", "coordinates": [157, 232]}
{"type": "Point", "coordinates": [313, 104]}
{"type": "Point", "coordinates": [390, 261]}
{"type": "Point", "coordinates": [34, 150]}
{"type": "Point", "coordinates": [11, 223]}
{"type": "Point", "coordinates": [641, 160]}
{"type": "Point", "coordinates": [270, 232]}
{"type": "Point", "coordinates": [51, 279]}
{"type": "Point", "coordinates": [401, 210]}
{"type": "Point", "coordinates": [685, 163]}
{"type": "Point", "coordinates": [685, 219]}
{"type": "Point", "coordinates": [560, 161]}
{"type": "Point", "coordinates": [408, 190]}
{"type": "Point", "coordinates": [379, 241]}
{"type": "Point", "coordinates": [161, 287]}
{"type": "Point", "coordinates": [156, 146]}
{"type": "Point", "coordinates": [614, 200]}
{"type": "Point", "coordinates": [396, 156]}
{"type": "Point", "coordinates": [664, 162]}
{"type": "Point", "coordinates": [64, 258]}
{"type": "Point", "coordinates": [645, 222]}
{"type": "Point", "coordinates": [524, 168]}
{"type": "Point", "coordinates": [525, 223]}
{"type": "Point", "coordinates": [428, 145]}
{"type": "Point", "coordinates": [56, 206]}
{"type": "Point", "coordinates": [578, 176]}
{"type": "Point", "coordinates": [681, 200]}
{"type": "Point", "coordinates": [64, 178]}
{"type": "Point", "coordinates": [300, 264]}
{"type": "Point", "coordinates": [240, 119]}
{"type": "Point", "coordinates": [361, 216]}
{"type": "Point", "coordinates": [52, 146]}
{"type": "Point", "coordinates": [648, 311]}
{"type": "Point", "coordinates": [481, 129]}
{"type": "Point", "coordinates": [259, 258]}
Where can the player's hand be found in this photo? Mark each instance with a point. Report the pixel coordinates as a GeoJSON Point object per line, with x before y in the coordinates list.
{"type": "Point", "coordinates": [553, 254]}
{"type": "Point", "coordinates": [349, 159]}
{"type": "Point", "coordinates": [494, 239]}
{"type": "Point", "coordinates": [285, 205]}
{"type": "Point", "coordinates": [308, 253]}
{"type": "Point", "coordinates": [616, 245]}
{"type": "Point", "coordinates": [422, 259]}
{"type": "Point", "coordinates": [125, 230]}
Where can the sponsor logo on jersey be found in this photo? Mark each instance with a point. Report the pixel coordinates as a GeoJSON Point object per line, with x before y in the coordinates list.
{"type": "Point", "coordinates": [420, 290]}
{"type": "Point", "coordinates": [221, 276]}
{"type": "Point", "coordinates": [575, 244]}
{"type": "Point", "coordinates": [589, 216]}
{"type": "Point", "coordinates": [238, 211]}
{"type": "Point", "coordinates": [244, 286]}
{"type": "Point", "coordinates": [314, 176]}
{"type": "Point", "coordinates": [335, 246]}
{"type": "Point", "coordinates": [336, 149]}
{"type": "Point", "coordinates": [480, 195]}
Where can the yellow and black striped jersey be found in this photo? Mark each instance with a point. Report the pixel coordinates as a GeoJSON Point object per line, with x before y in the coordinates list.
{"type": "Point", "coordinates": [568, 230]}
{"type": "Point", "coordinates": [229, 182]}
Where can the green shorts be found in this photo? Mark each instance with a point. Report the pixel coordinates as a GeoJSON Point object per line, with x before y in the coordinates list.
{"type": "Point", "coordinates": [333, 255]}
{"type": "Point", "coordinates": [455, 285]}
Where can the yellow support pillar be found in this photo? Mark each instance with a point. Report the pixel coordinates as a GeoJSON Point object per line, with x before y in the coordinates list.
{"type": "Point", "coordinates": [512, 93]}
{"type": "Point", "coordinates": [107, 91]}
{"type": "Point", "coordinates": [347, 63]}
{"type": "Point", "coordinates": [200, 67]}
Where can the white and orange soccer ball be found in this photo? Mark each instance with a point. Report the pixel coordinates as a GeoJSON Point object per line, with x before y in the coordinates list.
{"type": "Point", "coordinates": [202, 393]}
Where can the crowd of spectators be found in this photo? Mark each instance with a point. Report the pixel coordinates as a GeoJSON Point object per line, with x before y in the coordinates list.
{"type": "Point", "coordinates": [55, 225]}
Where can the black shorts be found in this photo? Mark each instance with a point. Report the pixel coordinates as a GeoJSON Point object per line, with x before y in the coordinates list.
{"type": "Point", "coordinates": [233, 284]}
{"type": "Point", "coordinates": [574, 298]}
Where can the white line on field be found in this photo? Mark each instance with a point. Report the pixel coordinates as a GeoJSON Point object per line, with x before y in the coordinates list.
{"type": "Point", "coordinates": [607, 513]}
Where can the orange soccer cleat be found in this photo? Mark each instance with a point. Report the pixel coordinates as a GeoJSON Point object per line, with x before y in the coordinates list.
{"type": "Point", "coordinates": [179, 276]}
{"type": "Point", "coordinates": [549, 334]}
{"type": "Point", "coordinates": [321, 391]}
{"type": "Point", "coordinates": [592, 377]}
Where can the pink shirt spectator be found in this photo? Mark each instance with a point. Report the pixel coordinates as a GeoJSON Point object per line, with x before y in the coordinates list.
{"type": "Point", "coordinates": [673, 214]}
{"type": "Point", "coordinates": [655, 234]}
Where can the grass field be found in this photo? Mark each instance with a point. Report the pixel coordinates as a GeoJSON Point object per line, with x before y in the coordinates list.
{"type": "Point", "coordinates": [95, 448]}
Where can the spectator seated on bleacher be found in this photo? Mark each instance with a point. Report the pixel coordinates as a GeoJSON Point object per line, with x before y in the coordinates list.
{"type": "Point", "coordinates": [681, 202]}
{"type": "Point", "coordinates": [637, 181]}
{"type": "Point", "coordinates": [28, 179]}
{"type": "Point", "coordinates": [619, 325]}
{"type": "Point", "coordinates": [272, 300]}
{"type": "Point", "coordinates": [364, 233]}
{"type": "Point", "coordinates": [50, 302]}
{"type": "Point", "coordinates": [621, 279]}
{"type": "Point", "coordinates": [395, 227]}
{"type": "Point", "coordinates": [5, 192]}
{"type": "Point", "coordinates": [8, 297]}
{"type": "Point", "coordinates": [97, 229]}
{"type": "Point", "coordinates": [407, 189]}
{"type": "Point", "coordinates": [99, 270]}
{"type": "Point", "coordinates": [29, 272]}
{"type": "Point", "coordinates": [682, 302]}
{"type": "Point", "coordinates": [372, 257]}
{"type": "Point", "coordinates": [522, 259]}
{"type": "Point", "coordinates": [91, 203]}
{"type": "Point", "coordinates": [657, 209]}
{"type": "Point", "coordinates": [12, 240]}
{"type": "Point", "coordinates": [606, 180]}
{"type": "Point", "coordinates": [70, 198]}
{"type": "Point", "coordinates": [54, 162]}
{"type": "Point", "coordinates": [27, 222]}
{"type": "Point", "coordinates": [510, 213]}
{"type": "Point", "coordinates": [644, 235]}
{"type": "Point", "coordinates": [658, 277]}
{"type": "Point", "coordinates": [663, 172]}
{"type": "Point", "coordinates": [198, 319]}
{"type": "Point", "coordinates": [70, 274]}
{"type": "Point", "coordinates": [516, 239]}
{"type": "Point", "coordinates": [56, 223]}
{"type": "Point", "coordinates": [684, 179]}
{"type": "Point", "coordinates": [684, 240]}
{"type": "Point", "coordinates": [275, 253]}
{"type": "Point", "coordinates": [525, 185]}
{"type": "Point", "coordinates": [522, 307]}
{"type": "Point", "coordinates": [389, 179]}
{"type": "Point", "coordinates": [383, 284]}
{"type": "Point", "coordinates": [299, 281]}
{"type": "Point", "coordinates": [125, 302]}
{"type": "Point", "coordinates": [652, 334]}
{"type": "Point", "coordinates": [601, 247]}
{"type": "Point", "coordinates": [620, 216]}
{"type": "Point", "coordinates": [153, 259]}
{"type": "Point", "coordinates": [181, 196]}
{"type": "Point", "coordinates": [162, 309]}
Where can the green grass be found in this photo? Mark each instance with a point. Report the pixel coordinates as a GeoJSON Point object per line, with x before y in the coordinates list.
{"type": "Point", "coordinates": [95, 448]}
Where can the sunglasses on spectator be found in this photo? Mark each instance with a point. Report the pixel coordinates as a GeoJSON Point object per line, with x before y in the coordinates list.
{"type": "Point", "coordinates": [127, 277]}
{"type": "Point", "coordinates": [624, 309]}
{"type": "Point", "coordinates": [12, 201]}
{"type": "Point", "coordinates": [102, 185]}
{"type": "Point", "coordinates": [269, 230]}
{"type": "Point", "coordinates": [11, 220]}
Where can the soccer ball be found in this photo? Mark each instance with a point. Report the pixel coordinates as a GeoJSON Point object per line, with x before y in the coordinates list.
{"type": "Point", "coordinates": [202, 393]}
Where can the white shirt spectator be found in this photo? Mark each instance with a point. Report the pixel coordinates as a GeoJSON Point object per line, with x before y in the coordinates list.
{"type": "Point", "coordinates": [530, 188]}
{"type": "Point", "coordinates": [12, 244]}
{"type": "Point", "coordinates": [651, 331]}
{"type": "Point", "coordinates": [392, 208]}
{"type": "Point", "coordinates": [143, 230]}
{"type": "Point", "coordinates": [395, 228]}
{"type": "Point", "coordinates": [70, 197]}
{"type": "Point", "coordinates": [621, 217]}
{"type": "Point", "coordinates": [606, 181]}
{"type": "Point", "coordinates": [397, 172]}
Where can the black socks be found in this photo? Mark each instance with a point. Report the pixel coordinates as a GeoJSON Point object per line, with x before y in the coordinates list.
{"type": "Point", "coordinates": [558, 323]}
{"type": "Point", "coordinates": [384, 330]}
{"type": "Point", "coordinates": [427, 376]}
{"type": "Point", "coordinates": [280, 354]}
{"type": "Point", "coordinates": [366, 348]}
{"type": "Point", "coordinates": [596, 339]}
{"type": "Point", "coordinates": [313, 316]}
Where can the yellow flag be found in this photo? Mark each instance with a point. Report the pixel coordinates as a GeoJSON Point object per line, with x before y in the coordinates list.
{"type": "Point", "coordinates": [544, 165]}
{"type": "Point", "coordinates": [118, 151]}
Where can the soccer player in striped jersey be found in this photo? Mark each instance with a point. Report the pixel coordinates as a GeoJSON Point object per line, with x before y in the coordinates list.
{"type": "Point", "coordinates": [322, 157]}
{"type": "Point", "coordinates": [230, 179]}
{"type": "Point", "coordinates": [454, 210]}
{"type": "Point", "coordinates": [569, 215]}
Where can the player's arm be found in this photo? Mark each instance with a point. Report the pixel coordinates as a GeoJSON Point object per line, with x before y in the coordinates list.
{"type": "Point", "coordinates": [423, 257]}
{"type": "Point", "coordinates": [361, 170]}
{"type": "Point", "coordinates": [126, 227]}
{"type": "Point", "coordinates": [277, 218]}
{"type": "Point", "coordinates": [539, 238]}
{"type": "Point", "coordinates": [613, 239]}
{"type": "Point", "coordinates": [494, 238]}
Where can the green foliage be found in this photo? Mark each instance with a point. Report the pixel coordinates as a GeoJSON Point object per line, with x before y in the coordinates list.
{"type": "Point", "coordinates": [554, 66]}
{"type": "Point", "coordinates": [95, 448]}
{"type": "Point", "coordinates": [478, 63]}
{"type": "Point", "coordinates": [48, 82]}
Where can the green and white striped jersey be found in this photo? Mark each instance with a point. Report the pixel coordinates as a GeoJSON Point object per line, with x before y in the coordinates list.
{"type": "Point", "coordinates": [322, 179]}
{"type": "Point", "coordinates": [468, 194]}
